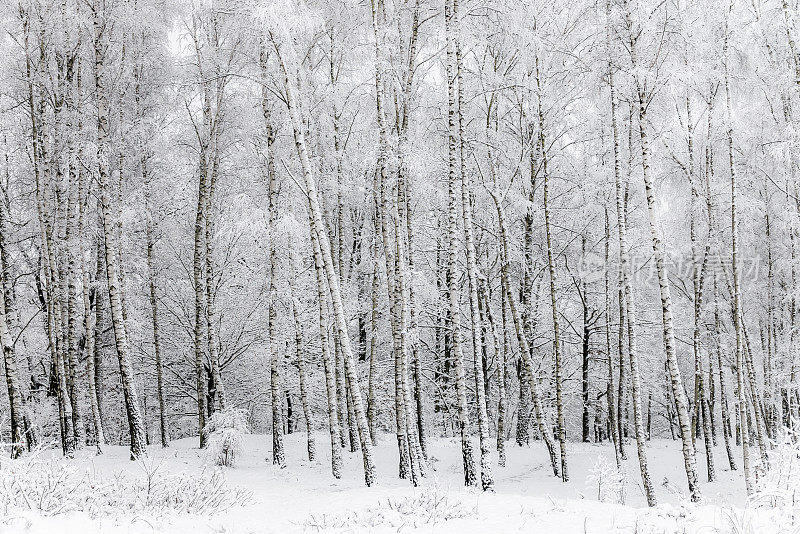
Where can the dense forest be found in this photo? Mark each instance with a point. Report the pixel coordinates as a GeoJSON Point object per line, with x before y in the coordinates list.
{"type": "Point", "coordinates": [509, 224]}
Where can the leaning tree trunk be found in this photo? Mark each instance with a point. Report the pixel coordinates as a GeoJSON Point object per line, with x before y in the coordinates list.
{"type": "Point", "coordinates": [522, 339]}
{"type": "Point", "coordinates": [318, 227]}
{"type": "Point", "coordinates": [328, 361]}
{"type": "Point", "coordinates": [684, 419]}
{"type": "Point", "coordinates": [135, 422]}
{"type": "Point", "coordinates": [755, 398]}
{"type": "Point", "coordinates": [676, 383]}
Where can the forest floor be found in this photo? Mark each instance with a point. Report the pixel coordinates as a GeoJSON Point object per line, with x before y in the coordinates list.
{"type": "Point", "coordinates": [304, 497]}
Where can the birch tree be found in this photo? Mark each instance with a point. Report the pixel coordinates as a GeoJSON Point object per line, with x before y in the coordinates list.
{"type": "Point", "coordinates": [135, 422]}
{"type": "Point", "coordinates": [676, 382]}
{"type": "Point", "coordinates": [319, 230]}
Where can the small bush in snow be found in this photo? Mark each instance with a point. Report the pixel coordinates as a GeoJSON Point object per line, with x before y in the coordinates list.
{"type": "Point", "coordinates": [740, 522]}
{"type": "Point", "coordinates": [224, 434]}
{"type": "Point", "coordinates": [205, 493]}
{"type": "Point", "coordinates": [778, 487]}
{"type": "Point", "coordinates": [432, 505]}
{"type": "Point", "coordinates": [428, 507]}
{"type": "Point", "coordinates": [51, 487]}
{"type": "Point", "coordinates": [45, 486]}
{"type": "Point", "coordinates": [609, 480]}
{"type": "Point", "coordinates": [774, 505]}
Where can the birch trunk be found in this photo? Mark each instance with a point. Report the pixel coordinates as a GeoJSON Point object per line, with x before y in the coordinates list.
{"type": "Point", "coordinates": [487, 480]}
{"type": "Point", "coordinates": [402, 299]}
{"type": "Point", "coordinates": [467, 455]}
{"type": "Point", "coordinates": [73, 266]}
{"type": "Point", "coordinates": [489, 324]}
{"type": "Point", "coordinates": [23, 435]}
{"type": "Point", "coordinates": [755, 398]}
{"type": "Point", "coordinates": [19, 442]}
{"type": "Point", "coordinates": [551, 267]}
{"type": "Point", "coordinates": [373, 321]}
{"type": "Point", "coordinates": [91, 300]}
{"type": "Point", "coordinates": [726, 424]}
{"type": "Point", "coordinates": [699, 268]}
{"type": "Point", "coordinates": [525, 349]}
{"type": "Point", "coordinates": [151, 275]}
{"type": "Point", "coordinates": [404, 192]}
{"type": "Point", "coordinates": [278, 453]}
{"type": "Point", "coordinates": [300, 353]}
{"type": "Point", "coordinates": [328, 361]}
{"type": "Point", "coordinates": [405, 468]}
{"type": "Point", "coordinates": [137, 441]}
{"type": "Point", "coordinates": [197, 272]}
{"type": "Point", "coordinates": [737, 316]}
{"type": "Point", "coordinates": [345, 418]}
{"type": "Point", "coordinates": [56, 278]}
{"type": "Point", "coordinates": [613, 429]}
{"type": "Point", "coordinates": [318, 227]}
{"type": "Point", "coordinates": [526, 294]}
{"type": "Point", "coordinates": [626, 292]}
{"type": "Point", "coordinates": [101, 290]}
{"type": "Point", "coordinates": [502, 381]}
{"type": "Point", "coordinates": [684, 419]}
{"type": "Point", "coordinates": [217, 397]}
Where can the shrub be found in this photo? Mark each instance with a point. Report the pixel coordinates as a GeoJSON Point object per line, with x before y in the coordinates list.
{"type": "Point", "coordinates": [778, 486]}
{"type": "Point", "coordinates": [610, 481]}
{"type": "Point", "coordinates": [224, 435]}
{"type": "Point", "coordinates": [427, 507]}
{"type": "Point", "coordinates": [51, 487]}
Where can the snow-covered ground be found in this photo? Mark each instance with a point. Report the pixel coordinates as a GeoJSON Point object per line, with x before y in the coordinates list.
{"type": "Point", "coordinates": [304, 497]}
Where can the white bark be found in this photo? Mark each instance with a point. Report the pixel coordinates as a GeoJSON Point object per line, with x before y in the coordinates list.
{"type": "Point", "coordinates": [676, 382]}
{"type": "Point", "coordinates": [453, 253]}
{"type": "Point", "coordinates": [318, 227]}
{"type": "Point", "coordinates": [487, 480]}
{"type": "Point", "coordinates": [135, 422]}
{"type": "Point", "coordinates": [630, 306]}
{"type": "Point", "coordinates": [525, 350]}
